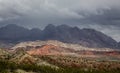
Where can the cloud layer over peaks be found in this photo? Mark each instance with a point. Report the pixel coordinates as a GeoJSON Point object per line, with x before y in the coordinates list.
{"type": "Point", "coordinates": [102, 14]}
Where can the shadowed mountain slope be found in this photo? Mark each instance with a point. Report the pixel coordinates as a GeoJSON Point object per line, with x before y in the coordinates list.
{"type": "Point", "coordinates": [64, 33]}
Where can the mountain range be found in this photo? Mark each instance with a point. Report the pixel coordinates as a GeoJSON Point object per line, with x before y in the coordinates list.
{"type": "Point", "coordinates": [13, 33]}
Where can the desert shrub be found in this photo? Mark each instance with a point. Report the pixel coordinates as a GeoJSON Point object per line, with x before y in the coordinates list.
{"type": "Point", "coordinates": [6, 66]}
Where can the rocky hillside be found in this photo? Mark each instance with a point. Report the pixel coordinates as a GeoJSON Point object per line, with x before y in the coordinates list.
{"type": "Point", "coordinates": [55, 48]}
{"type": "Point", "coordinates": [51, 50]}
{"type": "Point", "coordinates": [54, 56]}
{"type": "Point", "coordinates": [3, 54]}
{"type": "Point", "coordinates": [34, 44]}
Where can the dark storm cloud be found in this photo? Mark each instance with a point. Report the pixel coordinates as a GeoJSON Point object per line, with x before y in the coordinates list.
{"type": "Point", "coordinates": [108, 17]}
{"type": "Point", "coordinates": [102, 15]}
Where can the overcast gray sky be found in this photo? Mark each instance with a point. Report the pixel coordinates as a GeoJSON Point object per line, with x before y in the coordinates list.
{"type": "Point", "coordinates": [103, 15]}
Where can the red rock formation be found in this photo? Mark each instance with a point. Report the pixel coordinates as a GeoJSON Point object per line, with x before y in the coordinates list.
{"type": "Point", "coordinates": [48, 50]}
{"type": "Point", "coordinates": [112, 53]}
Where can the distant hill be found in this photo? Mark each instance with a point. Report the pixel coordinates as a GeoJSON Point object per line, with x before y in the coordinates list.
{"type": "Point", "coordinates": [119, 44]}
{"type": "Point", "coordinates": [52, 47]}
{"type": "Point", "coordinates": [13, 33]}
{"type": "Point", "coordinates": [86, 37]}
